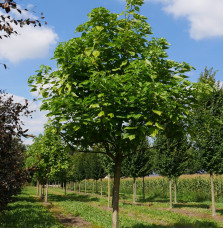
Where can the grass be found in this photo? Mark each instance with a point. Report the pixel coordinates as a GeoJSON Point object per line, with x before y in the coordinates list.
{"type": "Point", "coordinates": [27, 212]}
{"type": "Point", "coordinates": [93, 209]}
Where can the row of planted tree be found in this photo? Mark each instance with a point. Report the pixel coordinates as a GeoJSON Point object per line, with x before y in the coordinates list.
{"type": "Point", "coordinates": [187, 188]}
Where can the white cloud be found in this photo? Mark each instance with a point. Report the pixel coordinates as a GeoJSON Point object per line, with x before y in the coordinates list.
{"type": "Point", "coordinates": [205, 16]}
{"type": "Point", "coordinates": [36, 123]}
{"type": "Point", "coordinates": [31, 43]}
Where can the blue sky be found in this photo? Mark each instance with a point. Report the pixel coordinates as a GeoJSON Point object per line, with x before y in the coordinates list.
{"type": "Point", "coordinates": [194, 28]}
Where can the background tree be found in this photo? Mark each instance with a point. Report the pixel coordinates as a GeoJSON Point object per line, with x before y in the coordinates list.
{"type": "Point", "coordinates": [171, 156]}
{"type": "Point", "coordinates": [113, 86]}
{"type": "Point", "coordinates": [12, 171]}
{"type": "Point", "coordinates": [98, 171]}
{"type": "Point", "coordinates": [208, 122]}
{"type": "Point", "coordinates": [78, 169]}
{"type": "Point", "coordinates": [49, 155]}
{"type": "Point", "coordinates": [139, 165]}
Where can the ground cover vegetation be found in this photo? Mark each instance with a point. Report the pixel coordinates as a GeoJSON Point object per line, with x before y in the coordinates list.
{"type": "Point", "coordinates": [157, 214]}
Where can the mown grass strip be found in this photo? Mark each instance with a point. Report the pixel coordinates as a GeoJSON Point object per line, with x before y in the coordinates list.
{"type": "Point", "coordinates": [27, 212]}
{"type": "Point", "coordinates": [90, 207]}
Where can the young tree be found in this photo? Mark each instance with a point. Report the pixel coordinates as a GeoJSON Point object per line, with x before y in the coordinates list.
{"type": "Point", "coordinates": [171, 157]}
{"type": "Point", "coordinates": [49, 155]}
{"type": "Point", "coordinates": [138, 165]}
{"type": "Point", "coordinates": [12, 173]}
{"type": "Point", "coordinates": [113, 86]}
{"type": "Point", "coordinates": [78, 169]}
{"type": "Point", "coordinates": [208, 122]}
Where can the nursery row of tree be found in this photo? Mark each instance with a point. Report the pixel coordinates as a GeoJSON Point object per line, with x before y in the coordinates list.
{"type": "Point", "coordinates": [172, 152]}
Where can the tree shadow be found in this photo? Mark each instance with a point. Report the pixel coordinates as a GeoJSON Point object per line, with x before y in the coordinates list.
{"type": "Point", "coordinates": [80, 198]}
{"type": "Point", "coordinates": [140, 225]}
{"type": "Point", "coordinates": [220, 211]}
{"type": "Point", "coordinates": [181, 205]}
{"type": "Point", "coordinates": [197, 224]}
{"type": "Point", "coordinates": [26, 212]}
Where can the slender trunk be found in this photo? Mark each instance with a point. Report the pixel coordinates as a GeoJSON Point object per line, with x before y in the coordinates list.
{"type": "Point", "coordinates": [47, 186]}
{"type": "Point", "coordinates": [96, 183]}
{"type": "Point", "coordinates": [37, 186]}
{"type": "Point", "coordinates": [101, 188]}
{"type": "Point", "coordinates": [79, 187]}
{"type": "Point", "coordinates": [134, 189]}
{"type": "Point", "coordinates": [42, 195]}
{"type": "Point", "coordinates": [212, 195]}
{"type": "Point", "coordinates": [74, 186]}
{"type": "Point", "coordinates": [93, 188]}
{"type": "Point", "coordinates": [115, 198]}
{"type": "Point", "coordinates": [109, 191]}
{"type": "Point", "coordinates": [41, 191]}
{"type": "Point", "coordinates": [175, 190]}
{"type": "Point", "coordinates": [85, 185]}
{"type": "Point", "coordinates": [143, 188]}
{"type": "Point", "coordinates": [170, 183]}
{"type": "Point", "coordinates": [65, 188]}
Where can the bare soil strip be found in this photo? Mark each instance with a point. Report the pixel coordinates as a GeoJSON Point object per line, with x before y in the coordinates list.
{"type": "Point", "coordinates": [65, 219]}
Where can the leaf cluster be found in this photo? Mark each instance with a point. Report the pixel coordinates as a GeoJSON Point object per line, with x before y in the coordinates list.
{"type": "Point", "coordinates": [12, 172]}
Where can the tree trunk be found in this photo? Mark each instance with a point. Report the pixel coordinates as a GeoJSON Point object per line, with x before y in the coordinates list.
{"type": "Point", "coordinates": [41, 191]}
{"type": "Point", "coordinates": [93, 188]}
{"type": "Point", "coordinates": [96, 186]}
{"type": "Point", "coordinates": [143, 188]}
{"type": "Point", "coordinates": [79, 187]}
{"type": "Point", "coordinates": [109, 191]}
{"type": "Point", "coordinates": [170, 183]}
{"type": "Point", "coordinates": [212, 195]}
{"type": "Point", "coordinates": [74, 186]}
{"type": "Point", "coordinates": [134, 190]}
{"type": "Point", "coordinates": [175, 190]}
{"type": "Point", "coordinates": [115, 198]}
{"type": "Point", "coordinates": [65, 188]}
{"type": "Point", "coordinates": [47, 186]}
{"type": "Point", "coordinates": [101, 188]}
{"type": "Point", "coordinates": [85, 185]}
{"type": "Point", "coordinates": [37, 186]}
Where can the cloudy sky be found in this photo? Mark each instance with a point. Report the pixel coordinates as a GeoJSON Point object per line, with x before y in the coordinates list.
{"type": "Point", "coordinates": [194, 28]}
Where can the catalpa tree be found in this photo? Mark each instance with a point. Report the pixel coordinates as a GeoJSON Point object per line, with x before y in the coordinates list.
{"type": "Point", "coordinates": [113, 86]}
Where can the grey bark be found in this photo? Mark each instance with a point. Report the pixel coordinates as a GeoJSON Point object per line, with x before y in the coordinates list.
{"type": "Point", "coordinates": [212, 196]}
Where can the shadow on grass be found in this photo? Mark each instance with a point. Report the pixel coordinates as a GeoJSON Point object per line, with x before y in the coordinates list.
{"type": "Point", "coordinates": [220, 211]}
{"type": "Point", "coordinates": [140, 225]}
{"type": "Point", "coordinates": [149, 200]}
{"type": "Point", "coordinates": [80, 198]}
{"type": "Point", "coordinates": [197, 224]}
{"type": "Point", "coordinates": [26, 212]}
{"type": "Point", "coordinates": [181, 205]}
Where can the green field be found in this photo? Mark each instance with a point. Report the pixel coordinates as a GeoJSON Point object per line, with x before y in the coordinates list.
{"type": "Point", "coordinates": [27, 211]}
